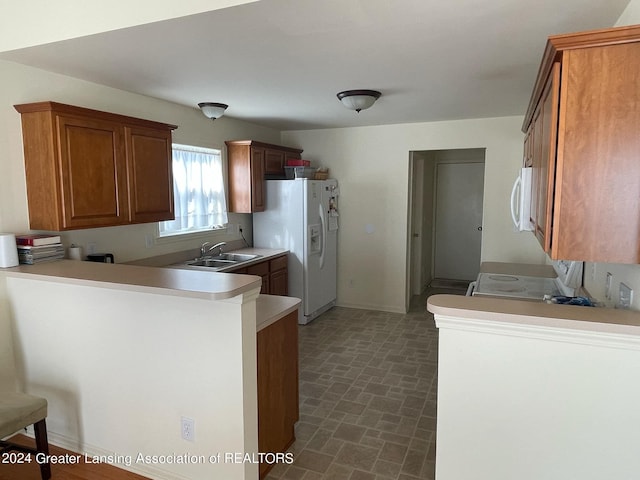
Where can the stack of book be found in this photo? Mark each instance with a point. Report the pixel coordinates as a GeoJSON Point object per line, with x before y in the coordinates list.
{"type": "Point", "coordinates": [37, 248]}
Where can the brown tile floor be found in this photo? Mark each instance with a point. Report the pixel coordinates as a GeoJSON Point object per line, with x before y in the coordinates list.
{"type": "Point", "coordinates": [367, 396]}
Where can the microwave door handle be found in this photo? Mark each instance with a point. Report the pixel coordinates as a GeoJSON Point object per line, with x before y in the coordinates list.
{"type": "Point", "coordinates": [514, 199]}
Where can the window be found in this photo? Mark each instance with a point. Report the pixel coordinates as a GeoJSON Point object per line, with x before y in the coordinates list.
{"type": "Point", "coordinates": [198, 189]}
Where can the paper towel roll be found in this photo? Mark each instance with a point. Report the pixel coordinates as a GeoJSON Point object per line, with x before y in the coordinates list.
{"type": "Point", "coordinates": [75, 253]}
{"type": "Point", "coordinates": [8, 250]}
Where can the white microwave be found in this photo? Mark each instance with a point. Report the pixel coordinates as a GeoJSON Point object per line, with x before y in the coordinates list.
{"type": "Point", "coordinates": [521, 201]}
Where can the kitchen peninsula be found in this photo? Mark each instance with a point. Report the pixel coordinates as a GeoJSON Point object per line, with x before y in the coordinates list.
{"type": "Point", "coordinates": [529, 390]}
{"type": "Point", "coordinates": [122, 353]}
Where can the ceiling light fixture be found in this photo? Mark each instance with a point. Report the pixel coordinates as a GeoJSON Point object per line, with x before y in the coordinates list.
{"type": "Point", "coordinates": [213, 110]}
{"type": "Point", "coordinates": [358, 99]}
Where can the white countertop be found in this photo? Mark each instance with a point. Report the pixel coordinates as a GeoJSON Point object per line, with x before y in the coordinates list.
{"type": "Point", "coordinates": [271, 308]}
{"type": "Point", "coordinates": [537, 314]}
{"type": "Point", "coordinates": [165, 281]}
{"type": "Point", "coordinates": [188, 282]}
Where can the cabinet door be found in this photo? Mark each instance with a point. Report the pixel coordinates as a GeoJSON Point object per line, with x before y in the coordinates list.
{"type": "Point", "coordinates": [596, 215]}
{"type": "Point", "coordinates": [262, 270]}
{"type": "Point", "coordinates": [277, 358]}
{"type": "Point", "coordinates": [528, 148]}
{"type": "Point", "coordinates": [544, 159]}
{"type": "Point", "coordinates": [150, 174]}
{"type": "Point", "coordinates": [278, 276]}
{"type": "Point", "coordinates": [92, 172]}
{"type": "Point", "coordinates": [257, 179]}
{"type": "Point", "coordinates": [279, 283]}
{"type": "Point", "coordinates": [274, 162]}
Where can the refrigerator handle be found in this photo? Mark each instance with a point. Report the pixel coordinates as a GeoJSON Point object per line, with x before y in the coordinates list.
{"type": "Point", "coordinates": [322, 235]}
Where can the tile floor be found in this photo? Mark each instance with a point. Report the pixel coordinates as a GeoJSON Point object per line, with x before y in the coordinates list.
{"type": "Point", "coordinates": [367, 396]}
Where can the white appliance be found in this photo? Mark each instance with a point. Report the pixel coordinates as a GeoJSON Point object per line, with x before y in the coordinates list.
{"type": "Point", "coordinates": [301, 216]}
{"type": "Point", "coordinates": [521, 201]}
{"type": "Point", "coordinates": [522, 287]}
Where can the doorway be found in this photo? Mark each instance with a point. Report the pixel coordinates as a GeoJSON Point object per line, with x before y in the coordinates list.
{"type": "Point", "coordinates": [458, 220]}
{"type": "Point", "coordinates": [445, 217]}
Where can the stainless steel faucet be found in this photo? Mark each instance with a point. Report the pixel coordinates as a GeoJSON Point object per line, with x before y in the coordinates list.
{"type": "Point", "coordinates": [204, 250]}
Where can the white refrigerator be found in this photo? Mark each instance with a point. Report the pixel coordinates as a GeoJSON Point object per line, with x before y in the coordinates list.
{"type": "Point", "coordinates": [301, 216]}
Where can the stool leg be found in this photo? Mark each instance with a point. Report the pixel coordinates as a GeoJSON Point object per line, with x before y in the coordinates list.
{"type": "Point", "coordinates": [42, 445]}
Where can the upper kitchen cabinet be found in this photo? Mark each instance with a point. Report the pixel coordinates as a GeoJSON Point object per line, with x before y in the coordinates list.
{"type": "Point", "coordinates": [86, 168]}
{"type": "Point", "coordinates": [581, 130]}
{"type": "Point", "coordinates": [249, 163]}
{"type": "Point", "coordinates": [149, 172]}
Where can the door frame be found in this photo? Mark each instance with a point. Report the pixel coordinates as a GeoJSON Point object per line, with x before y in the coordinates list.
{"type": "Point", "coordinates": [428, 156]}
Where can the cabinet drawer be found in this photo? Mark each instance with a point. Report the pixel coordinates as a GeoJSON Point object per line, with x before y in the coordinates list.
{"type": "Point", "coordinates": [279, 263]}
{"type": "Point", "coordinates": [260, 269]}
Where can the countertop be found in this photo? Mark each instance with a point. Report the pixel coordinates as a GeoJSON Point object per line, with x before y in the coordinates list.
{"type": "Point", "coordinates": [174, 259]}
{"type": "Point", "coordinates": [271, 308]}
{"type": "Point", "coordinates": [540, 314]}
{"type": "Point", "coordinates": [189, 282]}
{"type": "Point", "coordinates": [525, 269]}
{"type": "Point", "coordinates": [164, 281]}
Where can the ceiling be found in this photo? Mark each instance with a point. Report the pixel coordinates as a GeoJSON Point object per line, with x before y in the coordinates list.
{"type": "Point", "coordinates": [280, 63]}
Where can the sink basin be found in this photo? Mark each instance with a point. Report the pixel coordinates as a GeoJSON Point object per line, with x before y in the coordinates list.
{"type": "Point", "coordinates": [221, 261]}
{"type": "Point", "coordinates": [234, 257]}
{"type": "Point", "coordinates": [209, 262]}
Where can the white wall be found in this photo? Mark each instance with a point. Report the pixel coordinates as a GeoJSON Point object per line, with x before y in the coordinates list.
{"type": "Point", "coordinates": [372, 168]}
{"type": "Point", "coordinates": [596, 273]}
{"type": "Point", "coordinates": [7, 363]}
{"type": "Point", "coordinates": [120, 368]}
{"type": "Point", "coordinates": [528, 398]}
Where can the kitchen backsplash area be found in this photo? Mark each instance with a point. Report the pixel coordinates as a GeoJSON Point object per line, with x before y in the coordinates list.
{"type": "Point", "coordinates": [595, 281]}
{"type": "Point", "coordinates": [133, 242]}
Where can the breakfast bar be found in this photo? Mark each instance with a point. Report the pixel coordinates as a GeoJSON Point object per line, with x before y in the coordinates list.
{"type": "Point", "coordinates": [124, 353]}
{"type": "Point", "coordinates": [530, 390]}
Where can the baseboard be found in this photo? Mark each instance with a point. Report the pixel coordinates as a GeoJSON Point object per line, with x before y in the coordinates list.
{"type": "Point", "coordinates": [380, 308]}
{"type": "Point", "coordinates": [91, 451]}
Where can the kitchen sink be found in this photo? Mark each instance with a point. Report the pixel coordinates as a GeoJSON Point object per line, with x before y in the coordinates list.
{"type": "Point", "coordinates": [209, 262]}
{"type": "Point", "coordinates": [219, 262]}
{"type": "Point", "coordinates": [234, 257]}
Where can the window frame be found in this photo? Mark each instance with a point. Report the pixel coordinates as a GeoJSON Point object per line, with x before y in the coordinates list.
{"type": "Point", "coordinates": [175, 237]}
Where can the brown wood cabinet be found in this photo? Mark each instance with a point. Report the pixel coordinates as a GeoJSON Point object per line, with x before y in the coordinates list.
{"type": "Point", "coordinates": [249, 163]}
{"type": "Point", "coordinates": [279, 276]}
{"type": "Point", "coordinates": [277, 358]}
{"type": "Point", "coordinates": [86, 168]}
{"type": "Point", "coordinates": [582, 129]}
{"type": "Point", "coordinates": [151, 200]}
{"type": "Point", "coordinates": [274, 273]}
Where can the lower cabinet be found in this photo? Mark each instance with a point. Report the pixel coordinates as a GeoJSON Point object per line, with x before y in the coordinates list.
{"type": "Point", "coordinates": [279, 276]}
{"type": "Point", "coordinates": [274, 273]}
{"type": "Point", "coordinates": [277, 357]}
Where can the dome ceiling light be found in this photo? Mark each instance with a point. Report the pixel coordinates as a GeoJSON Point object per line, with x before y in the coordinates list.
{"type": "Point", "coordinates": [213, 110]}
{"type": "Point", "coordinates": [358, 99]}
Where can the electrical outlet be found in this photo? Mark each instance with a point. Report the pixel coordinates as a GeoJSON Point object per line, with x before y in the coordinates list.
{"type": "Point", "coordinates": [607, 286]}
{"type": "Point", "coordinates": [148, 241]}
{"type": "Point", "coordinates": [187, 427]}
{"type": "Point", "coordinates": [625, 296]}
{"type": "Point", "coordinates": [91, 248]}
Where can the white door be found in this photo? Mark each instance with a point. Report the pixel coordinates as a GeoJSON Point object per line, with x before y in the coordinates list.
{"type": "Point", "coordinates": [458, 234]}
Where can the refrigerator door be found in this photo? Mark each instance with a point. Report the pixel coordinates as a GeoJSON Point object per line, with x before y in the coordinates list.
{"type": "Point", "coordinates": [320, 256]}
{"type": "Point", "coordinates": [296, 219]}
